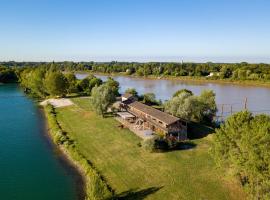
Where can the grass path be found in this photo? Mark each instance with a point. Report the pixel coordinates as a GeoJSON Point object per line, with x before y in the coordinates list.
{"type": "Point", "coordinates": [137, 174]}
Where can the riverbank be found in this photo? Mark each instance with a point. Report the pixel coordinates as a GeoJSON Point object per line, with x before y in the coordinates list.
{"type": "Point", "coordinates": [137, 174]}
{"type": "Point", "coordinates": [188, 79]}
{"type": "Point", "coordinates": [94, 186]}
{"type": "Point", "coordinates": [63, 157]}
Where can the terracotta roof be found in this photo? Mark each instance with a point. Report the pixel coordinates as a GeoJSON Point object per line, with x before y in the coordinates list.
{"type": "Point", "coordinates": [162, 116]}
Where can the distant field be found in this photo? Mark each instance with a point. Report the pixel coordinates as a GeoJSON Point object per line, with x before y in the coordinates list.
{"type": "Point", "coordinates": [136, 174]}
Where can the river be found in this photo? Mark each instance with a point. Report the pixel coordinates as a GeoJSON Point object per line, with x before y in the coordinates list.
{"type": "Point", "coordinates": [30, 167]}
{"type": "Point", "coordinates": [229, 96]}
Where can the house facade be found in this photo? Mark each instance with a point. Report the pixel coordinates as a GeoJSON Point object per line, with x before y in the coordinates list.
{"type": "Point", "coordinates": [149, 118]}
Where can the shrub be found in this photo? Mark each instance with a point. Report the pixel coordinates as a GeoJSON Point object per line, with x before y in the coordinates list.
{"type": "Point", "coordinates": [155, 143]}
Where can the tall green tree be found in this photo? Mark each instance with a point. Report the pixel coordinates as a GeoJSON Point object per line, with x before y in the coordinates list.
{"type": "Point", "coordinates": [242, 144]}
{"type": "Point", "coordinates": [8, 75]}
{"type": "Point", "coordinates": [149, 99]}
{"type": "Point", "coordinates": [101, 98]}
{"type": "Point", "coordinates": [56, 83]}
{"type": "Point", "coordinates": [72, 82]}
{"type": "Point", "coordinates": [114, 85]}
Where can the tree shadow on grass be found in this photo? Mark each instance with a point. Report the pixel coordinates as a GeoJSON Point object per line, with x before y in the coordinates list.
{"type": "Point", "coordinates": [178, 147]}
{"type": "Point", "coordinates": [135, 194]}
{"type": "Point", "coordinates": [196, 130]}
{"type": "Point", "coordinates": [184, 146]}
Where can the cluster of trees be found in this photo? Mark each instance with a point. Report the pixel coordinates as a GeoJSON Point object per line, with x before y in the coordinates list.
{"type": "Point", "coordinates": [237, 71]}
{"type": "Point", "coordinates": [234, 71]}
{"type": "Point", "coordinates": [147, 98]}
{"type": "Point", "coordinates": [242, 145]}
{"type": "Point", "coordinates": [186, 105]}
{"type": "Point", "coordinates": [42, 82]}
{"type": "Point", "coordinates": [8, 75]}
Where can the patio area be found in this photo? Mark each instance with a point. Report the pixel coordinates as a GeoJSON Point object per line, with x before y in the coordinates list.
{"type": "Point", "coordinates": [127, 120]}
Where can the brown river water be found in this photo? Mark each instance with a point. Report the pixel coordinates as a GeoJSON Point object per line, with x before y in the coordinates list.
{"type": "Point", "coordinates": [229, 96]}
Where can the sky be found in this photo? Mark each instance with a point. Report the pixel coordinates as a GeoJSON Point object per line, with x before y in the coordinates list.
{"type": "Point", "coordinates": [135, 30]}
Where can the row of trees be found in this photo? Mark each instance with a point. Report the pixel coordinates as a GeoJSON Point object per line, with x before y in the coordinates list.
{"type": "Point", "coordinates": [237, 71]}
{"type": "Point", "coordinates": [42, 82]}
{"type": "Point", "coordinates": [242, 145]}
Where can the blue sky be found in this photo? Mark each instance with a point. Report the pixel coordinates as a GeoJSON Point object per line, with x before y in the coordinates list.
{"type": "Point", "coordinates": [135, 30]}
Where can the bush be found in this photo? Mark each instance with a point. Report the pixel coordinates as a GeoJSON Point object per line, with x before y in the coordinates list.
{"type": "Point", "coordinates": [155, 144]}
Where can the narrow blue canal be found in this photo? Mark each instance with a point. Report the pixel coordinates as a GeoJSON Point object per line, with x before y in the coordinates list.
{"type": "Point", "coordinates": [30, 167]}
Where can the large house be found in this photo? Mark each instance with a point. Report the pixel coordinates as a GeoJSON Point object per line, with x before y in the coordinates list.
{"type": "Point", "coordinates": [148, 118]}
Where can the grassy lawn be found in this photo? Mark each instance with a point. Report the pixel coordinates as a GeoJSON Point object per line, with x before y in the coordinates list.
{"type": "Point", "coordinates": [136, 174]}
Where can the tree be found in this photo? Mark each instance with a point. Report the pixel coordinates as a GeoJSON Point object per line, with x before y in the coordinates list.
{"type": "Point", "coordinates": [72, 82]}
{"type": "Point", "coordinates": [56, 83]}
{"type": "Point", "coordinates": [225, 72]}
{"type": "Point", "coordinates": [33, 81]}
{"type": "Point", "coordinates": [8, 75]}
{"type": "Point", "coordinates": [132, 91]}
{"type": "Point", "coordinates": [85, 85]}
{"type": "Point", "coordinates": [242, 144]}
{"type": "Point", "coordinates": [102, 97]}
{"type": "Point", "coordinates": [149, 99]}
{"type": "Point", "coordinates": [114, 85]}
{"type": "Point", "coordinates": [193, 108]}
{"type": "Point", "coordinates": [208, 105]}
{"type": "Point", "coordinates": [95, 82]}
{"type": "Point", "coordinates": [182, 91]}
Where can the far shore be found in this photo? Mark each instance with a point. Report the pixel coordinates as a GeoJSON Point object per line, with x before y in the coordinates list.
{"type": "Point", "coordinates": [186, 79]}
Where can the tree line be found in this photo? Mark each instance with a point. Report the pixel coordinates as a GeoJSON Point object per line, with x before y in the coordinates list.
{"type": "Point", "coordinates": [44, 82]}
{"type": "Point", "coordinates": [229, 71]}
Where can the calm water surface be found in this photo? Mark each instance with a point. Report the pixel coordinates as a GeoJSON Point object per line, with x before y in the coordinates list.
{"type": "Point", "coordinates": [258, 98]}
{"type": "Point", "coordinates": [29, 167]}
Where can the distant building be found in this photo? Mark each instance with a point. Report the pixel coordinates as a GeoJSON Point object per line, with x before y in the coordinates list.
{"type": "Point", "coordinates": [213, 74]}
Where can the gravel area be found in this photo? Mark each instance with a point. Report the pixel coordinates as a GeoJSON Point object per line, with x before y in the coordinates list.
{"type": "Point", "coordinates": [57, 102]}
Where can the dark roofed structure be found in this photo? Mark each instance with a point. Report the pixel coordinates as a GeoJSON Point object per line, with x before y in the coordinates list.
{"type": "Point", "coordinates": [162, 116]}
{"type": "Point", "coordinates": [149, 118]}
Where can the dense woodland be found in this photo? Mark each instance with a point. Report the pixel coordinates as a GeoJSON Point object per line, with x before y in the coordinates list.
{"type": "Point", "coordinates": [230, 71]}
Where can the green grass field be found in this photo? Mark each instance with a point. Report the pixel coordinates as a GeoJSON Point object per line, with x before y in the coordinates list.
{"type": "Point", "coordinates": [136, 174]}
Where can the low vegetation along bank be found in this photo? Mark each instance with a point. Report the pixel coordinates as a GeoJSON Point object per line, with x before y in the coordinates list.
{"type": "Point", "coordinates": [95, 187]}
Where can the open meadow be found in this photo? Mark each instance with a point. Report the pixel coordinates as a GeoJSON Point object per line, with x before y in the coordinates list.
{"type": "Point", "coordinates": [134, 173]}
